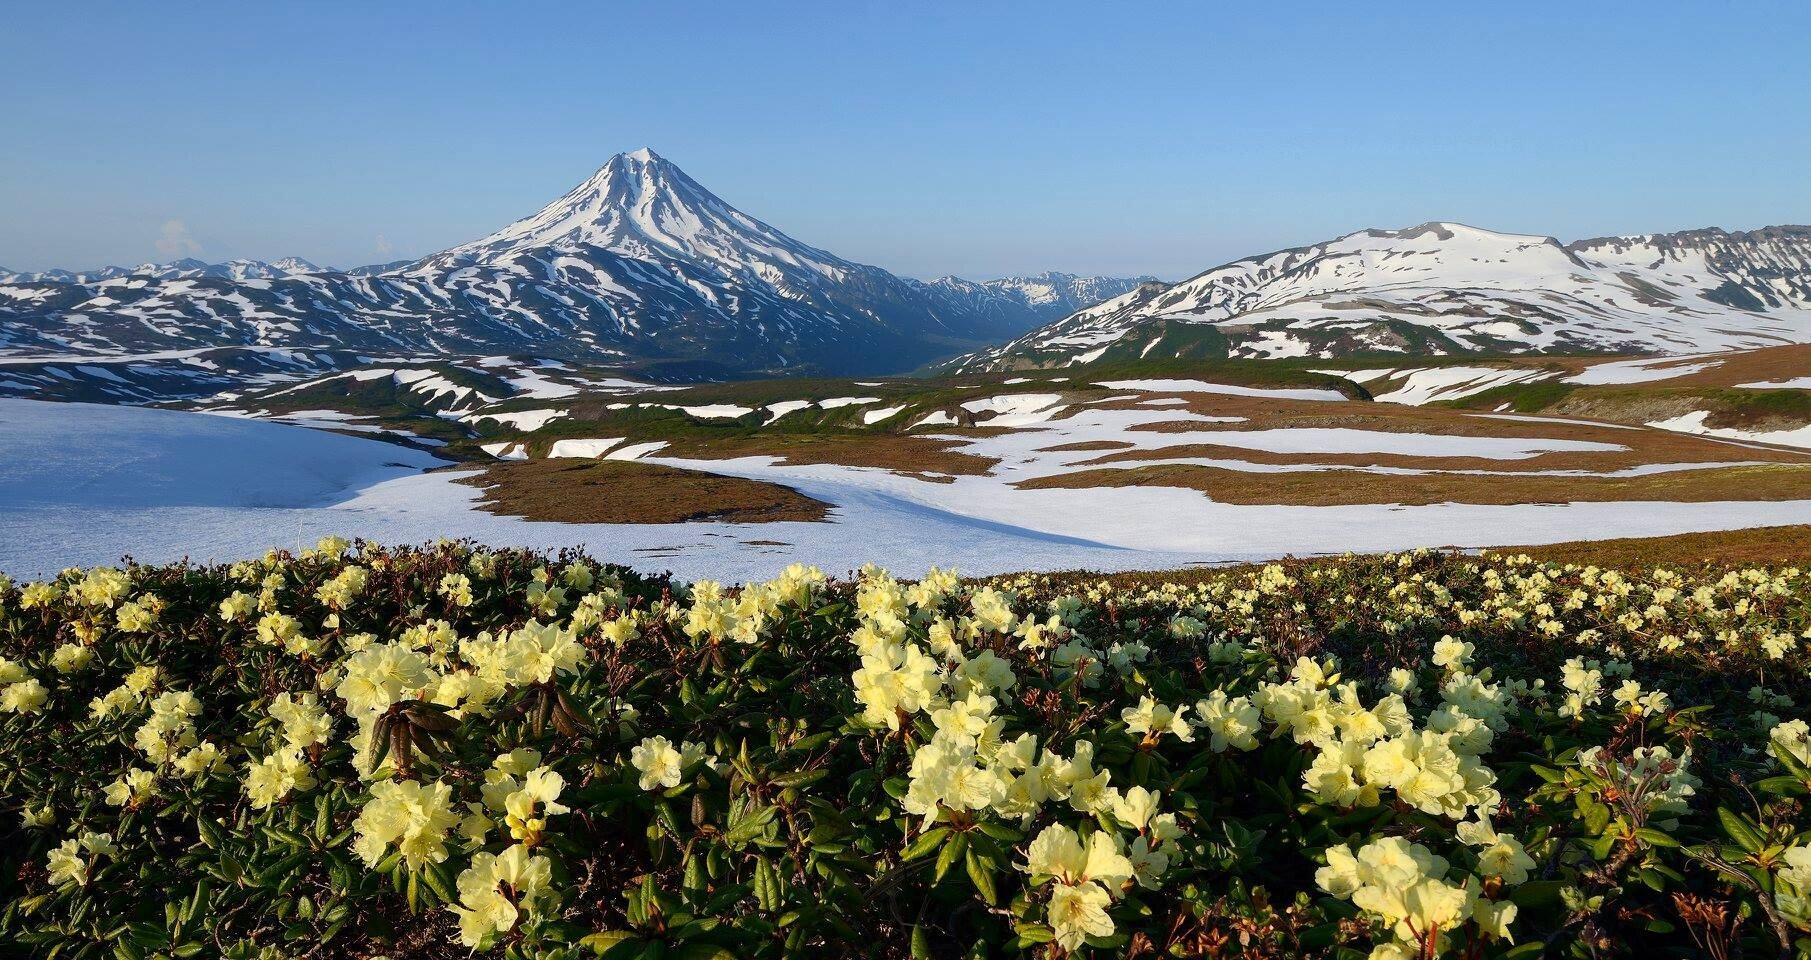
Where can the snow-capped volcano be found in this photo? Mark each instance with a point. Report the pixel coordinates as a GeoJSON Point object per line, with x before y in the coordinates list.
{"type": "Point", "coordinates": [639, 263]}
{"type": "Point", "coordinates": [1451, 288]}
{"type": "Point", "coordinates": [642, 206]}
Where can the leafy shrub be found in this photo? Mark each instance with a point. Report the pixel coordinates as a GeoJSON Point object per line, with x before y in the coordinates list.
{"type": "Point", "coordinates": [424, 752]}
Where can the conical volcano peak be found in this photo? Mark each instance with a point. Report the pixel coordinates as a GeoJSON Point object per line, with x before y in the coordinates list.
{"type": "Point", "coordinates": [642, 205]}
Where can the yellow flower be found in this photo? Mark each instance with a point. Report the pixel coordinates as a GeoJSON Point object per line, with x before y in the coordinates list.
{"type": "Point", "coordinates": [102, 587]}
{"type": "Point", "coordinates": [26, 696]}
{"type": "Point", "coordinates": [1232, 721]}
{"type": "Point", "coordinates": [529, 807]}
{"type": "Point", "coordinates": [457, 589]}
{"type": "Point", "coordinates": [304, 722]}
{"type": "Point", "coordinates": [497, 890]}
{"type": "Point", "coordinates": [73, 861]}
{"type": "Point", "coordinates": [205, 758]}
{"type": "Point", "coordinates": [71, 657]}
{"type": "Point", "coordinates": [277, 776]}
{"type": "Point", "coordinates": [1078, 912]}
{"type": "Point", "coordinates": [412, 816]}
{"type": "Point", "coordinates": [661, 764]}
{"type": "Point", "coordinates": [1154, 719]}
{"type": "Point", "coordinates": [238, 606]}
{"type": "Point", "coordinates": [132, 788]}
{"type": "Point", "coordinates": [383, 674]}
{"type": "Point", "coordinates": [1060, 853]}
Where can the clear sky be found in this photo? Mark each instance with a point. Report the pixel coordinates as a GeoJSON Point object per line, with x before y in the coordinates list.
{"type": "Point", "coordinates": [972, 138]}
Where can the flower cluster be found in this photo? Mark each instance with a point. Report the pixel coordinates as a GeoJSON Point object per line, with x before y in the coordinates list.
{"type": "Point", "coordinates": [355, 750]}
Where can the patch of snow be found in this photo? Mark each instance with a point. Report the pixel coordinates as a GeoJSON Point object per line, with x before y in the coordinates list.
{"type": "Point", "coordinates": [1694, 423]}
{"type": "Point", "coordinates": [777, 410]}
{"type": "Point", "coordinates": [1646, 370]}
{"type": "Point", "coordinates": [528, 420]}
{"type": "Point", "coordinates": [1016, 409]}
{"type": "Point", "coordinates": [1415, 387]}
{"type": "Point", "coordinates": [1199, 386]}
{"type": "Point", "coordinates": [937, 419]}
{"type": "Point", "coordinates": [582, 449]}
{"type": "Point", "coordinates": [505, 450]}
{"type": "Point", "coordinates": [714, 411]}
{"type": "Point", "coordinates": [635, 451]}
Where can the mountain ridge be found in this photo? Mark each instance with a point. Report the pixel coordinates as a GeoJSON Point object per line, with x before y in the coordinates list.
{"type": "Point", "coordinates": [1444, 287]}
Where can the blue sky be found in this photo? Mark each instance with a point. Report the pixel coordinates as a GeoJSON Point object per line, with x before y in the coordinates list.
{"type": "Point", "coordinates": [979, 139]}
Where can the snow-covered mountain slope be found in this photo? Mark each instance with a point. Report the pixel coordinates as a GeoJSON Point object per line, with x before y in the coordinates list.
{"type": "Point", "coordinates": [1446, 288]}
{"type": "Point", "coordinates": [1028, 302]}
{"type": "Point", "coordinates": [638, 263]}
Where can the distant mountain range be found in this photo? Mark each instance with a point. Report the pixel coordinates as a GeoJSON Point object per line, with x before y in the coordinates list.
{"type": "Point", "coordinates": [184, 269]}
{"type": "Point", "coordinates": [1446, 288]}
{"type": "Point", "coordinates": [640, 265]}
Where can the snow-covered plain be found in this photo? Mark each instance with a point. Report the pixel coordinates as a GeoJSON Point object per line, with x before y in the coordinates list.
{"type": "Point", "coordinates": [83, 484]}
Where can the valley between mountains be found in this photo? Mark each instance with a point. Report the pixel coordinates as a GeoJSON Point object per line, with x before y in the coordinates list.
{"type": "Point", "coordinates": [643, 369]}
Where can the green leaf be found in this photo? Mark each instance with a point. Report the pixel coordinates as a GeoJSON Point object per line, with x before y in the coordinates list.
{"type": "Point", "coordinates": [1538, 894]}
{"type": "Point", "coordinates": [611, 943]}
{"type": "Point", "coordinates": [921, 943]}
{"type": "Point", "coordinates": [1739, 829]}
{"type": "Point", "coordinates": [750, 827]}
{"type": "Point", "coordinates": [1034, 933]}
{"type": "Point", "coordinates": [1596, 815]}
{"type": "Point", "coordinates": [926, 842]}
{"type": "Point", "coordinates": [439, 878]}
{"type": "Point", "coordinates": [277, 872]}
{"type": "Point", "coordinates": [982, 875]}
{"type": "Point", "coordinates": [952, 852]}
{"type": "Point", "coordinates": [210, 832]}
{"type": "Point", "coordinates": [767, 885]}
{"type": "Point", "coordinates": [1781, 786]}
{"type": "Point", "coordinates": [801, 778]}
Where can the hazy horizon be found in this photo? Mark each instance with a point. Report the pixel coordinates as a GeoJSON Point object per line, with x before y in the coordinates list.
{"type": "Point", "coordinates": [929, 141]}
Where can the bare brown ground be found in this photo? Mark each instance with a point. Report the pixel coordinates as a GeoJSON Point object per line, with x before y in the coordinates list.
{"type": "Point", "coordinates": [619, 491]}
{"type": "Point", "coordinates": [910, 455]}
{"type": "Point", "coordinates": [1645, 445]}
{"type": "Point", "coordinates": [1761, 546]}
{"type": "Point", "coordinates": [1749, 366]}
{"type": "Point", "coordinates": [1346, 487]}
{"type": "Point", "coordinates": [1645, 448]}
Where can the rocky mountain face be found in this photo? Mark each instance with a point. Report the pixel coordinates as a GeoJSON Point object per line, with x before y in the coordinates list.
{"type": "Point", "coordinates": [639, 265]}
{"type": "Point", "coordinates": [1444, 288]}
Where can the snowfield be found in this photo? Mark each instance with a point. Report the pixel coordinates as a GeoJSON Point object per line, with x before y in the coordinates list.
{"type": "Point", "coordinates": [56, 456]}
{"type": "Point", "coordinates": [85, 484]}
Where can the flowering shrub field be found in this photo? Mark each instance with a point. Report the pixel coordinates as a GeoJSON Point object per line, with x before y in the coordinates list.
{"type": "Point", "coordinates": [428, 752]}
